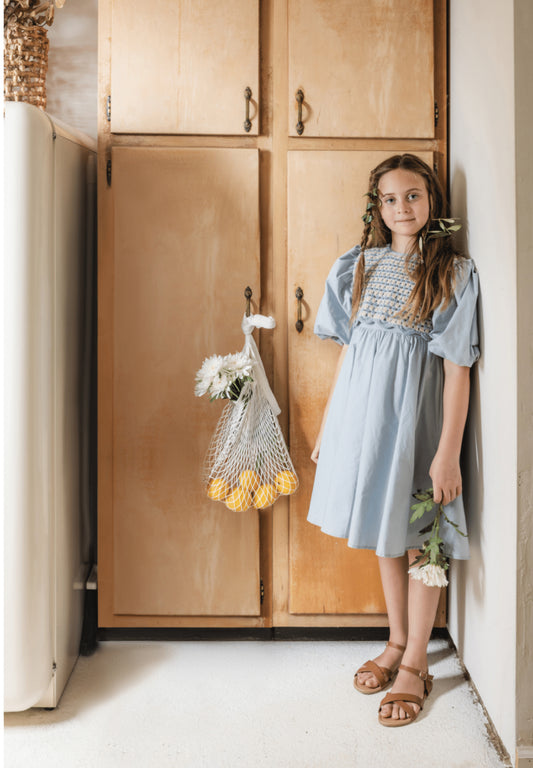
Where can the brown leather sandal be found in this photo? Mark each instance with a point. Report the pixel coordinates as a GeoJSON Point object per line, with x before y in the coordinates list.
{"type": "Point", "coordinates": [383, 675]}
{"type": "Point", "coordinates": [402, 698]}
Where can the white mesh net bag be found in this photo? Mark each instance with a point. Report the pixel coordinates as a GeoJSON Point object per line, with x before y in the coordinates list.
{"type": "Point", "coordinates": [247, 463]}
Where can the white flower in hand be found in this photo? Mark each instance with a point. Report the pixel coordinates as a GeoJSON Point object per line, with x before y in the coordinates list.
{"type": "Point", "coordinates": [431, 564]}
{"type": "Point", "coordinates": [431, 575]}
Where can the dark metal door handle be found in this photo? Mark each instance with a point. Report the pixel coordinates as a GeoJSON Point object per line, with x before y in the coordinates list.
{"type": "Point", "coordinates": [247, 96]}
{"type": "Point", "coordinates": [299, 322]}
{"type": "Point", "coordinates": [248, 297]}
{"type": "Point", "coordinates": [299, 124]}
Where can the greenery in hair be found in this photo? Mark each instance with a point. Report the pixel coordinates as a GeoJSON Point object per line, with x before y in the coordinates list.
{"type": "Point", "coordinates": [372, 203]}
{"type": "Point", "coordinates": [446, 227]}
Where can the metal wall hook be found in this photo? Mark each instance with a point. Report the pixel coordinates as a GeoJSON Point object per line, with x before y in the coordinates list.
{"type": "Point", "coordinates": [299, 99]}
{"type": "Point", "coordinates": [247, 96]}
{"type": "Point", "coordinates": [248, 296]}
{"type": "Point", "coordinates": [299, 322]}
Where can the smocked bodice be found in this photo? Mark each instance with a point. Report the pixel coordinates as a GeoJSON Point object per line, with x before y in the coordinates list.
{"type": "Point", "coordinates": [388, 285]}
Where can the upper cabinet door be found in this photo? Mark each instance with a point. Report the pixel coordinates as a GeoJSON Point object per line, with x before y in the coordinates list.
{"type": "Point", "coordinates": [182, 66]}
{"type": "Point", "coordinates": [374, 76]}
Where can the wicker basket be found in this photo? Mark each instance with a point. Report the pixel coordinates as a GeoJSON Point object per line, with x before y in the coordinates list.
{"type": "Point", "coordinates": [25, 63]}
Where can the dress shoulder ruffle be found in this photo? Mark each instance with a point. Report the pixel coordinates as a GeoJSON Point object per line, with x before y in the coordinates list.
{"type": "Point", "coordinates": [333, 319]}
{"type": "Point", "coordinates": [455, 333]}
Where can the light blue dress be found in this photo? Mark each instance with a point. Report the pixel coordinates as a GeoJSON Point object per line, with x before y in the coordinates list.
{"type": "Point", "coordinates": [385, 416]}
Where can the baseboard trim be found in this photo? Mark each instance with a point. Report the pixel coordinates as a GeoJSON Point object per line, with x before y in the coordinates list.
{"type": "Point", "coordinates": [492, 734]}
{"type": "Point", "coordinates": [524, 756]}
{"type": "Point", "coordinates": [254, 634]}
{"type": "Point", "coordinates": [183, 633]}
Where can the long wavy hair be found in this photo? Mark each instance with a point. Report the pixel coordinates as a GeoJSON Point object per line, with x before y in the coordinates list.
{"type": "Point", "coordinates": [433, 273]}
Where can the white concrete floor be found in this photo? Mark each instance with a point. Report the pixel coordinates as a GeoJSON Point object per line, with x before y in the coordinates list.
{"type": "Point", "coordinates": [230, 703]}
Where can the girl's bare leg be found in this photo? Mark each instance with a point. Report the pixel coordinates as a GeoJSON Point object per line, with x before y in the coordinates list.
{"type": "Point", "coordinates": [394, 580]}
{"type": "Point", "coordinates": [422, 608]}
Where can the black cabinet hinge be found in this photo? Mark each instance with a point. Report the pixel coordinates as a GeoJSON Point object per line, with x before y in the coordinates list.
{"type": "Point", "coordinates": [436, 113]}
{"type": "Point", "coordinates": [262, 592]}
{"type": "Point", "coordinates": [108, 173]}
{"type": "Point", "coordinates": [108, 109]}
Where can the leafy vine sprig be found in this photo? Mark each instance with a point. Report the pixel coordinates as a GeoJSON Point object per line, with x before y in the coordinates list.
{"type": "Point", "coordinates": [431, 564]}
{"type": "Point", "coordinates": [445, 228]}
{"type": "Point", "coordinates": [373, 202]}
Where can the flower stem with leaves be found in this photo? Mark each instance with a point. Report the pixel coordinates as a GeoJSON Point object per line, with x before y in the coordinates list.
{"type": "Point", "coordinates": [431, 564]}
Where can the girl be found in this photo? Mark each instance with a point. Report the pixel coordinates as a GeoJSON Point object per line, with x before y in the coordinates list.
{"type": "Point", "coordinates": [403, 305]}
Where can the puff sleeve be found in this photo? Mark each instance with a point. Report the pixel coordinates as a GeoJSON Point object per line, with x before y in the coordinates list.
{"type": "Point", "coordinates": [455, 329]}
{"type": "Point", "coordinates": [335, 309]}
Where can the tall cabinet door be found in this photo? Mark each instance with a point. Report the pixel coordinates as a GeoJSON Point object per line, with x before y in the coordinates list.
{"type": "Point", "coordinates": [325, 192]}
{"type": "Point", "coordinates": [186, 244]}
{"type": "Point", "coordinates": [374, 76]}
{"type": "Point", "coordinates": [183, 67]}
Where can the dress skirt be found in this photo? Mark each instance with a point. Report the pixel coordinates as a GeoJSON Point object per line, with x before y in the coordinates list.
{"type": "Point", "coordinates": [381, 434]}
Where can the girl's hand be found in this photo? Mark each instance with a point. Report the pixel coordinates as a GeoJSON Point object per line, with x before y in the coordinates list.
{"type": "Point", "coordinates": [446, 476]}
{"type": "Point", "coordinates": [316, 450]}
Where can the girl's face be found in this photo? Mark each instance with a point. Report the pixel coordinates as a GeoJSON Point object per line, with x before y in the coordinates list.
{"type": "Point", "coordinates": [404, 206]}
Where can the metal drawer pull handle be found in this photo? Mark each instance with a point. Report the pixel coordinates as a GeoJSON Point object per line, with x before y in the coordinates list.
{"type": "Point", "coordinates": [299, 323]}
{"type": "Point", "coordinates": [247, 96]}
{"type": "Point", "coordinates": [248, 296]}
{"type": "Point", "coordinates": [299, 124]}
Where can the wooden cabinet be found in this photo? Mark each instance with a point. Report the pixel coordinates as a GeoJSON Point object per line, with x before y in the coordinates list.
{"type": "Point", "coordinates": [185, 245]}
{"type": "Point", "coordinates": [192, 209]}
{"type": "Point", "coordinates": [183, 67]}
{"type": "Point", "coordinates": [374, 72]}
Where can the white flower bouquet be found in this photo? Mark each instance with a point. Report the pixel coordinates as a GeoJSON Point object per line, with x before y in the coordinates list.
{"type": "Point", "coordinates": [224, 377]}
{"type": "Point", "coordinates": [247, 463]}
{"type": "Point", "coordinates": [431, 564]}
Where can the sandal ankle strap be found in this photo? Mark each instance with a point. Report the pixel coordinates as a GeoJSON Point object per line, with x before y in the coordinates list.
{"type": "Point", "coordinates": [397, 646]}
{"type": "Point", "coordinates": [418, 672]}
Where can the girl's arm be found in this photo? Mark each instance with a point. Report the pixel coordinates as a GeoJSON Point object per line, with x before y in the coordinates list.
{"type": "Point", "coordinates": [445, 471]}
{"type": "Point", "coordinates": [316, 449]}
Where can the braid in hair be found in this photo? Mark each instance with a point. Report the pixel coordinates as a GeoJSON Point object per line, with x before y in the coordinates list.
{"type": "Point", "coordinates": [359, 277]}
{"type": "Point", "coordinates": [375, 233]}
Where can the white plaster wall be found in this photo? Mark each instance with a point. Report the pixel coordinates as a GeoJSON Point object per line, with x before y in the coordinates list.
{"type": "Point", "coordinates": [482, 609]}
{"type": "Point", "coordinates": [524, 222]}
